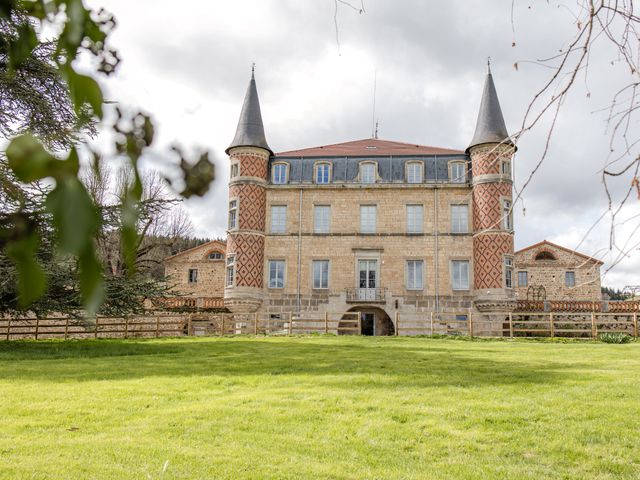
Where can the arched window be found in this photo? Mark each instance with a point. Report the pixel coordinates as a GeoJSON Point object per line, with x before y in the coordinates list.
{"type": "Point", "coordinates": [414, 172]}
{"type": "Point", "coordinates": [279, 173]}
{"type": "Point", "coordinates": [545, 255]}
{"type": "Point", "coordinates": [215, 256]}
{"type": "Point", "coordinates": [322, 173]}
{"type": "Point", "coordinates": [368, 172]}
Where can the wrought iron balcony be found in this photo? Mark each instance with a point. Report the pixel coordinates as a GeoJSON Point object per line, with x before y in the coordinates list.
{"type": "Point", "coordinates": [366, 295]}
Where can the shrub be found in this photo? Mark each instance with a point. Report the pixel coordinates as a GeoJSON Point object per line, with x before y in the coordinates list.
{"type": "Point", "coordinates": [615, 338]}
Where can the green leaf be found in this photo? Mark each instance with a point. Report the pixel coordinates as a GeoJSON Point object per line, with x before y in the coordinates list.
{"type": "Point", "coordinates": [83, 90]}
{"type": "Point", "coordinates": [75, 216]}
{"type": "Point", "coordinates": [32, 282]}
{"type": "Point", "coordinates": [31, 162]}
{"type": "Point", "coordinates": [91, 281]}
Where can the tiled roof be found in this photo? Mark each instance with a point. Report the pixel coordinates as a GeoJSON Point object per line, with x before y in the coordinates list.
{"type": "Point", "coordinates": [221, 246]}
{"type": "Point", "coordinates": [560, 247]}
{"type": "Point", "coordinates": [369, 147]}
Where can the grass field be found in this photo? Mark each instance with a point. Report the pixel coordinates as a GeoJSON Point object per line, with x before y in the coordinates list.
{"type": "Point", "coordinates": [318, 407]}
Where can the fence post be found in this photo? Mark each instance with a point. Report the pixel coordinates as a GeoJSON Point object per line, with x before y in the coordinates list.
{"type": "Point", "coordinates": [470, 324]}
{"type": "Point", "coordinates": [222, 326]}
{"type": "Point", "coordinates": [255, 323]}
{"type": "Point", "coordinates": [510, 325]}
{"type": "Point", "coordinates": [95, 330]}
{"type": "Point", "coordinates": [635, 324]}
{"type": "Point", "coordinates": [37, 326]}
{"type": "Point", "coordinates": [190, 325]}
{"type": "Point", "coordinates": [594, 328]}
{"type": "Point", "coordinates": [66, 328]}
{"type": "Point", "coordinates": [359, 323]}
{"type": "Point", "coordinates": [397, 321]}
{"type": "Point", "coordinates": [551, 332]}
{"type": "Point", "coordinates": [326, 322]}
{"type": "Point", "coordinates": [126, 326]}
{"type": "Point", "coordinates": [157, 326]}
{"type": "Point", "coordinates": [290, 323]}
{"type": "Point", "coordinates": [8, 329]}
{"type": "Point", "coordinates": [431, 330]}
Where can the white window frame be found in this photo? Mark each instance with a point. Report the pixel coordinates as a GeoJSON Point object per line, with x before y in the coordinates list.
{"type": "Point", "coordinates": [523, 274]}
{"type": "Point", "coordinates": [465, 283]}
{"type": "Point", "coordinates": [507, 214]}
{"type": "Point", "coordinates": [275, 178]}
{"type": "Point", "coordinates": [192, 275]}
{"type": "Point", "coordinates": [413, 282]}
{"type": "Point", "coordinates": [323, 280]}
{"type": "Point", "coordinates": [233, 214]}
{"type": "Point", "coordinates": [215, 256]}
{"type": "Point", "coordinates": [411, 169]}
{"type": "Point", "coordinates": [230, 270]}
{"type": "Point", "coordinates": [316, 171]}
{"type": "Point", "coordinates": [459, 225]}
{"type": "Point", "coordinates": [368, 218]}
{"type": "Point", "coordinates": [278, 219]}
{"type": "Point", "coordinates": [415, 218]}
{"type": "Point", "coordinates": [508, 271]}
{"type": "Point", "coordinates": [454, 175]}
{"type": "Point", "coordinates": [321, 225]}
{"type": "Point", "coordinates": [279, 270]}
{"type": "Point", "coordinates": [567, 275]}
{"type": "Point", "coordinates": [367, 176]}
{"type": "Point", "coordinates": [505, 168]}
{"type": "Point", "coordinates": [234, 171]}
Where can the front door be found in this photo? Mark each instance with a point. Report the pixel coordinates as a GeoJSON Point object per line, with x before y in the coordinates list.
{"type": "Point", "coordinates": [367, 279]}
{"type": "Point", "coordinates": [368, 324]}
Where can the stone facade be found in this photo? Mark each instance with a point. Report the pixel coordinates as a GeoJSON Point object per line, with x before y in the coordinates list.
{"type": "Point", "coordinates": [546, 264]}
{"type": "Point", "coordinates": [208, 281]}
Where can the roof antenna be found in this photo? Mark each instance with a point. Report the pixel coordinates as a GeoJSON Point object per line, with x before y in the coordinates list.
{"type": "Point", "coordinates": [375, 135]}
{"type": "Point", "coordinates": [374, 125]}
{"type": "Point", "coordinates": [253, 69]}
{"type": "Point", "coordinates": [489, 65]}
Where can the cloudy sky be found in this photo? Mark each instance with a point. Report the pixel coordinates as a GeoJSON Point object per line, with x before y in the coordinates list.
{"type": "Point", "coordinates": [188, 64]}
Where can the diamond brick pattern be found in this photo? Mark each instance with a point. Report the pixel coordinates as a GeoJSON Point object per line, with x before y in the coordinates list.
{"type": "Point", "coordinates": [252, 164]}
{"type": "Point", "coordinates": [252, 204]}
{"type": "Point", "coordinates": [249, 250]}
{"type": "Point", "coordinates": [487, 211]}
{"type": "Point", "coordinates": [486, 160]}
{"type": "Point", "coordinates": [488, 252]}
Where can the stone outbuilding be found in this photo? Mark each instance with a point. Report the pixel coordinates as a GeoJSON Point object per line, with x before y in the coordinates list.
{"type": "Point", "coordinates": [198, 271]}
{"type": "Point", "coordinates": [546, 271]}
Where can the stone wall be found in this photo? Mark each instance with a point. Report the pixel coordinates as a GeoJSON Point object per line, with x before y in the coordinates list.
{"type": "Point", "coordinates": [551, 273]}
{"type": "Point", "coordinates": [210, 282]}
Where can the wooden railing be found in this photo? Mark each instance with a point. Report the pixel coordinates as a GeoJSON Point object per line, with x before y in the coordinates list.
{"type": "Point", "coordinates": [578, 306]}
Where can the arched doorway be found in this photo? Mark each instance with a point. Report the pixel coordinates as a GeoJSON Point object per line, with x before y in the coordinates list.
{"type": "Point", "coordinates": [373, 321]}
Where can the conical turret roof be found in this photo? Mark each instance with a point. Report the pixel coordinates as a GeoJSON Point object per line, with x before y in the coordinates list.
{"type": "Point", "coordinates": [250, 131]}
{"type": "Point", "coordinates": [490, 127]}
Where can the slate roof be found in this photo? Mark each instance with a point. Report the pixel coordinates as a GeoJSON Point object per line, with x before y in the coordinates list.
{"type": "Point", "coordinates": [250, 131]}
{"type": "Point", "coordinates": [490, 127]}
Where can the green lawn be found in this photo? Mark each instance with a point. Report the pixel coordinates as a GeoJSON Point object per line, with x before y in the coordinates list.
{"type": "Point", "coordinates": [318, 407]}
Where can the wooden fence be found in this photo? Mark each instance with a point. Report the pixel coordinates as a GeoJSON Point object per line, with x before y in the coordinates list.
{"type": "Point", "coordinates": [467, 323]}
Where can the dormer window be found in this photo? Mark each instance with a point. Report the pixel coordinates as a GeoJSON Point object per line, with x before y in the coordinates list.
{"type": "Point", "coordinates": [279, 173]}
{"type": "Point", "coordinates": [323, 173]}
{"type": "Point", "coordinates": [414, 172]}
{"type": "Point", "coordinates": [458, 172]}
{"type": "Point", "coordinates": [368, 172]}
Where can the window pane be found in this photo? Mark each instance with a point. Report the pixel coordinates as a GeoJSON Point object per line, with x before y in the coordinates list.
{"type": "Point", "coordinates": [458, 173]}
{"type": "Point", "coordinates": [279, 174]}
{"type": "Point", "coordinates": [322, 173]}
{"type": "Point", "coordinates": [367, 173]}
{"type": "Point", "coordinates": [414, 218]}
{"type": "Point", "coordinates": [570, 279]}
{"type": "Point", "coordinates": [459, 218]}
{"type": "Point", "coordinates": [278, 218]}
{"type": "Point", "coordinates": [506, 215]}
{"type": "Point", "coordinates": [414, 172]}
{"type": "Point", "coordinates": [193, 275]}
{"type": "Point", "coordinates": [321, 216]}
{"type": "Point", "coordinates": [414, 274]}
{"type": "Point", "coordinates": [460, 274]}
{"type": "Point", "coordinates": [522, 279]}
{"type": "Point", "coordinates": [367, 219]}
{"type": "Point", "coordinates": [321, 274]}
{"type": "Point", "coordinates": [276, 274]}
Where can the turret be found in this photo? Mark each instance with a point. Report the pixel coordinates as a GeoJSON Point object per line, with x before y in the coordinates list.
{"type": "Point", "coordinates": [249, 158]}
{"type": "Point", "coordinates": [491, 151]}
